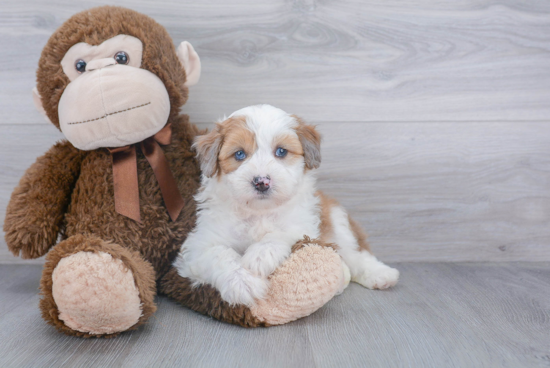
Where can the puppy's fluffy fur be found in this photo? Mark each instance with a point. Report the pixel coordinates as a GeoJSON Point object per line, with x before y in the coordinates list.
{"type": "Point", "coordinates": [257, 199]}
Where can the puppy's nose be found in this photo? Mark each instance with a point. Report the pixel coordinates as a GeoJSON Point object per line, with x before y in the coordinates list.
{"type": "Point", "coordinates": [261, 183]}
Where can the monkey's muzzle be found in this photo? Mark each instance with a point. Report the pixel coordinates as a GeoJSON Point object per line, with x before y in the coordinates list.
{"type": "Point", "coordinates": [113, 107]}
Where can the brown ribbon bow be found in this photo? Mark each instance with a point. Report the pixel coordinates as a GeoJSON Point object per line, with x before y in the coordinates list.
{"type": "Point", "coordinates": [125, 176]}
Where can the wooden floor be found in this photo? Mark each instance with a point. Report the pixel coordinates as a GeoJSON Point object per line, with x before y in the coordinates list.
{"type": "Point", "coordinates": [439, 315]}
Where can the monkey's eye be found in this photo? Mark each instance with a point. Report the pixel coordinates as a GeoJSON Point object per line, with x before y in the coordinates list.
{"type": "Point", "coordinates": [80, 66]}
{"type": "Point", "coordinates": [122, 58]}
{"type": "Point", "coordinates": [280, 152]}
{"type": "Point", "coordinates": [240, 155]}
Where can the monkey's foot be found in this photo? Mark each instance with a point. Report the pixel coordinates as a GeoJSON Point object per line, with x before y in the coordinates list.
{"type": "Point", "coordinates": [305, 282]}
{"type": "Point", "coordinates": [95, 293]}
{"type": "Point", "coordinates": [94, 288]}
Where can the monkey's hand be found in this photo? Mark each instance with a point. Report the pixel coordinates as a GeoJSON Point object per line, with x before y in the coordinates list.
{"type": "Point", "coordinates": [38, 204]}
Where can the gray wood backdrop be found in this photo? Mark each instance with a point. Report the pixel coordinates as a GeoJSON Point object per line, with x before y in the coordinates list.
{"type": "Point", "coordinates": [435, 114]}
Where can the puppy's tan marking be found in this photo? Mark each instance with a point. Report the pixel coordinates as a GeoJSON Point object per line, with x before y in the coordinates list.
{"type": "Point", "coordinates": [326, 229]}
{"type": "Point", "coordinates": [292, 144]}
{"type": "Point", "coordinates": [216, 149]}
{"type": "Point", "coordinates": [360, 235]}
{"type": "Point", "coordinates": [208, 147]}
{"type": "Point", "coordinates": [236, 137]}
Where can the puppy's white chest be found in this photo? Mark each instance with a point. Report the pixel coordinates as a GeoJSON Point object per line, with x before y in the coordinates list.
{"type": "Point", "coordinates": [261, 227]}
{"type": "Point", "coordinates": [252, 230]}
{"type": "Point", "coordinates": [289, 226]}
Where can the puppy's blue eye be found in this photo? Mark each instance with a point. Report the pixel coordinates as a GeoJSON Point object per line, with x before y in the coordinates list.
{"type": "Point", "coordinates": [280, 152]}
{"type": "Point", "coordinates": [240, 155]}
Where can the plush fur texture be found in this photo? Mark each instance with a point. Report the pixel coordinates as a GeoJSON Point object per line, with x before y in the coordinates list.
{"type": "Point", "coordinates": [244, 231]}
{"type": "Point", "coordinates": [293, 294]}
{"type": "Point", "coordinates": [100, 24]}
{"type": "Point", "coordinates": [36, 210]}
{"type": "Point", "coordinates": [206, 300]}
{"type": "Point", "coordinates": [309, 278]}
{"type": "Point", "coordinates": [143, 277]}
{"type": "Point", "coordinates": [68, 193]}
{"type": "Point", "coordinates": [95, 293]}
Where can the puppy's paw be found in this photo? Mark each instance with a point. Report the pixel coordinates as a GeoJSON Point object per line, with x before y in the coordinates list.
{"type": "Point", "coordinates": [378, 277]}
{"type": "Point", "coordinates": [262, 259]}
{"type": "Point", "coordinates": [241, 287]}
{"type": "Point", "coordinates": [346, 279]}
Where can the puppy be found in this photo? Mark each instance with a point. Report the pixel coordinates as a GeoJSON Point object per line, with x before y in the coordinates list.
{"type": "Point", "coordinates": [257, 199]}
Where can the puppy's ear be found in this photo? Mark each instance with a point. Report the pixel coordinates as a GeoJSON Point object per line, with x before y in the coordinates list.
{"type": "Point", "coordinates": [208, 148]}
{"type": "Point", "coordinates": [311, 143]}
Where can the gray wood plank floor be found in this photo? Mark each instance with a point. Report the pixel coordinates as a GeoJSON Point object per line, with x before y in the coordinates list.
{"type": "Point", "coordinates": [439, 315]}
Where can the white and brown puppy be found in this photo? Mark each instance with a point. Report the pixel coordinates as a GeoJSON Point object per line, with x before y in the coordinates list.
{"type": "Point", "coordinates": [258, 198]}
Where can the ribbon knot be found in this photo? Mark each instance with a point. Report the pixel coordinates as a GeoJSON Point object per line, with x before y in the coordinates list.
{"type": "Point", "coordinates": [125, 176]}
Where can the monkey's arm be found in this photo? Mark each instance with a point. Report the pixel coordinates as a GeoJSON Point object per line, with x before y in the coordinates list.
{"type": "Point", "coordinates": [38, 204]}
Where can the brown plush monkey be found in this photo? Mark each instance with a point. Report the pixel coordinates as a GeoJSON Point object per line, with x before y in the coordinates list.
{"type": "Point", "coordinates": [118, 192]}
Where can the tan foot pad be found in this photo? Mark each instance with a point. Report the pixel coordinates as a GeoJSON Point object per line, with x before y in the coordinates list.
{"type": "Point", "coordinates": [305, 282]}
{"type": "Point", "coordinates": [95, 293]}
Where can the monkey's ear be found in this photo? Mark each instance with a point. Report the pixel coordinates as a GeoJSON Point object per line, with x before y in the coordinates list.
{"type": "Point", "coordinates": [38, 103]}
{"type": "Point", "coordinates": [191, 63]}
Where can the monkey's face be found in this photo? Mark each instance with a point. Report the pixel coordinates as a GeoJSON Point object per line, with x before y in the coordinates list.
{"type": "Point", "coordinates": [111, 77]}
{"type": "Point", "coordinates": [110, 101]}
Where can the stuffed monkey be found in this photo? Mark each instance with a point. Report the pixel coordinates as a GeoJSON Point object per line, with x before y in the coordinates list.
{"type": "Point", "coordinates": [111, 205]}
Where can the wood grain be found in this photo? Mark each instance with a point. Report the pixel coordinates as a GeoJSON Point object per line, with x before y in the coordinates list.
{"type": "Point", "coordinates": [444, 191]}
{"type": "Point", "coordinates": [423, 191]}
{"type": "Point", "coordinates": [439, 315]}
{"type": "Point", "coordinates": [435, 114]}
{"type": "Point", "coordinates": [351, 60]}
